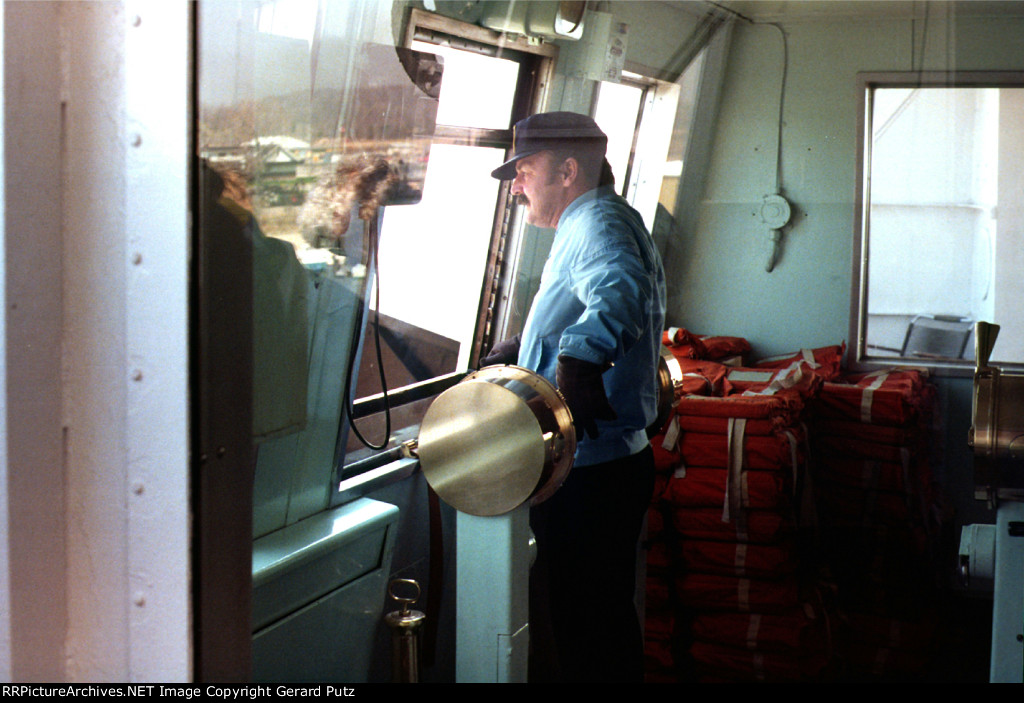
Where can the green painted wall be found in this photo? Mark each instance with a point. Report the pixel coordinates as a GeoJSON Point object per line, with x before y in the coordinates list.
{"type": "Point", "coordinates": [719, 285]}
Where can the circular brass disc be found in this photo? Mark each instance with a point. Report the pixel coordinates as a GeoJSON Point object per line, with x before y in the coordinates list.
{"type": "Point", "coordinates": [481, 448]}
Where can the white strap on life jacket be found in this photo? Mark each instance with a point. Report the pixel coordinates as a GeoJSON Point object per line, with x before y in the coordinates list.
{"type": "Point", "coordinates": [868, 395]}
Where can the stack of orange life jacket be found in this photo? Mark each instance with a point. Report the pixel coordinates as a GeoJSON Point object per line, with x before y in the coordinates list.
{"type": "Point", "coordinates": [879, 516]}
{"type": "Point", "coordinates": [725, 552]}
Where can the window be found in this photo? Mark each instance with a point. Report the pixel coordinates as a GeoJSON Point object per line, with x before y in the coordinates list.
{"type": "Point", "coordinates": [439, 258]}
{"type": "Point", "coordinates": [290, 92]}
{"type": "Point", "coordinates": [941, 228]}
{"type": "Point", "coordinates": [648, 124]}
{"type": "Point", "coordinates": [434, 254]}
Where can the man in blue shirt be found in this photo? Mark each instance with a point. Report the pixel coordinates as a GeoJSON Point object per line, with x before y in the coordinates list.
{"type": "Point", "coordinates": [594, 330]}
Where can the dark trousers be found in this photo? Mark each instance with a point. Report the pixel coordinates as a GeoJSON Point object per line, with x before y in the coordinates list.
{"type": "Point", "coordinates": [583, 621]}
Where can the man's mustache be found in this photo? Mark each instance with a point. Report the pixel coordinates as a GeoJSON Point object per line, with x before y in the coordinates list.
{"type": "Point", "coordinates": [521, 199]}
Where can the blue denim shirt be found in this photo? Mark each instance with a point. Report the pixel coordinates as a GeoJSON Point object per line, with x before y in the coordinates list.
{"type": "Point", "coordinates": [602, 299]}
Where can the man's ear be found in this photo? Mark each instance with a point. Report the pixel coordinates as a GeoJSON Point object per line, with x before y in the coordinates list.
{"type": "Point", "coordinates": [570, 171]}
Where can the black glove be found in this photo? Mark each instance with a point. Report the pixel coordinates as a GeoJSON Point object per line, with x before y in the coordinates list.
{"type": "Point", "coordinates": [504, 352]}
{"type": "Point", "coordinates": [581, 385]}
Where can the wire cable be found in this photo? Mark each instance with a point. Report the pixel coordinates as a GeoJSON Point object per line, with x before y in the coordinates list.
{"type": "Point", "coordinates": [373, 273]}
{"type": "Point", "coordinates": [782, 104]}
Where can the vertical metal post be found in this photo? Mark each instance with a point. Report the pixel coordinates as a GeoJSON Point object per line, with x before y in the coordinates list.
{"type": "Point", "coordinates": [493, 557]}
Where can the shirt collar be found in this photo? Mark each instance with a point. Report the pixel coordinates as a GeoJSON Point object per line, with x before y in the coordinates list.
{"type": "Point", "coordinates": [592, 194]}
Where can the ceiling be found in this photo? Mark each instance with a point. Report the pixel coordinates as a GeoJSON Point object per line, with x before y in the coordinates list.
{"type": "Point", "coordinates": [774, 10]}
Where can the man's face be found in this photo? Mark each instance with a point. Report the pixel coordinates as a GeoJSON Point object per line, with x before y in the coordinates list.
{"type": "Point", "coordinates": [538, 185]}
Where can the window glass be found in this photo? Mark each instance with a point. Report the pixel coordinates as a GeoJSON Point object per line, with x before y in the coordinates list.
{"type": "Point", "coordinates": [432, 256]}
{"type": "Point", "coordinates": [618, 114]}
{"type": "Point", "coordinates": [308, 119]}
{"type": "Point", "coordinates": [943, 226]}
{"type": "Point", "coordinates": [477, 91]}
{"type": "Point", "coordinates": [648, 122]}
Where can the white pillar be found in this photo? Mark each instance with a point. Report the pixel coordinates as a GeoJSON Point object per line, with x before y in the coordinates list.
{"type": "Point", "coordinates": [94, 459]}
{"type": "Point", "coordinates": [493, 558]}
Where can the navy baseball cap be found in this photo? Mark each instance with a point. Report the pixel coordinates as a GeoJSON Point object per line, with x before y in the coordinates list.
{"type": "Point", "coordinates": [549, 130]}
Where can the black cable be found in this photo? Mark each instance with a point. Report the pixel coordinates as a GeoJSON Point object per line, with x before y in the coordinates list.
{"type": "Point", "coordinates": [373, 273]}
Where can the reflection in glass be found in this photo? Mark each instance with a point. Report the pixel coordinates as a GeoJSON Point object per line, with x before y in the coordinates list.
{"type": "Point", "coordinates": [312, 125]}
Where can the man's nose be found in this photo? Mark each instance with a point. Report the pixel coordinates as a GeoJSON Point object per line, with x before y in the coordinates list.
{"type": "Point", "coordinates": [517, 187]}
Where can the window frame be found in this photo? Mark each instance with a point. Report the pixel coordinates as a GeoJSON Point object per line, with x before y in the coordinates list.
{"type": "Point", "coordinates": [536, 69]}
{"type": "Point", "coordinates": [859, 357]}
{"type": "Point", "coordinates": [646, 86]}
